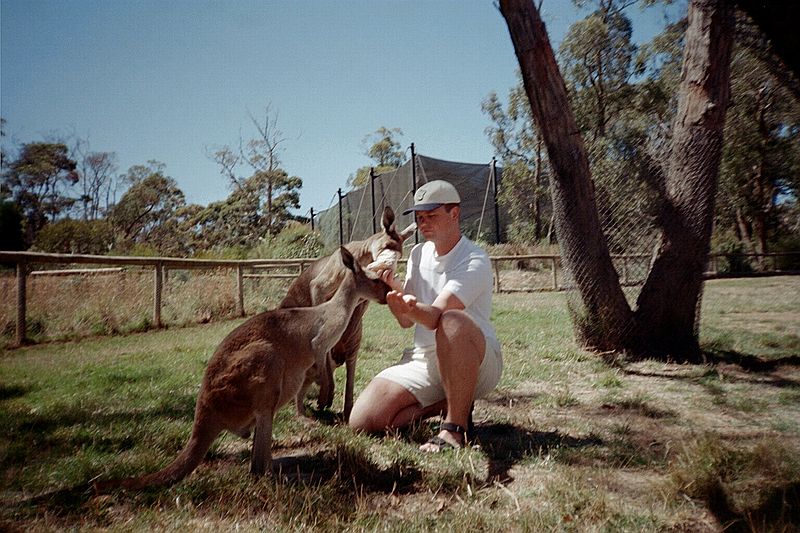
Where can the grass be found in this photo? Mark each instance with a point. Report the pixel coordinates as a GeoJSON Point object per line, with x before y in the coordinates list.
{"type": "Point", "coordinates": [566, 442]}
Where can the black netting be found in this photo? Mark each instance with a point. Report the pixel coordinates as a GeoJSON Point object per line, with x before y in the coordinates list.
{"type": "Point", "coordinates": [361, 208]}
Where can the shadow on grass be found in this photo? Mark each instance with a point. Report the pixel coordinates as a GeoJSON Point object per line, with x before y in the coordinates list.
{"type": "Point", "coordinates": [503, 444]}
{"type": "Point", "coordinates": [756, 370]}
{"type": "Point", "coordinates": [9, 392]}
{"type": "Point", "coordinates": [779, 510]}
{"type": "Point", "coordinates": [61, 501]}
{"type": "Point", "coordinates": [748, 362]}
{"type": "Point", "coordinates": [343, 467]}
{"type": "Point", "coordinates": [33, 434]}
{"type": "Point", "coordinates": [350, 468]}
{"type": "Point", "coordinates": [506, 444]}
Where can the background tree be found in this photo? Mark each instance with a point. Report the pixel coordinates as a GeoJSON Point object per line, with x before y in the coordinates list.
{"type": "Point", "coordinates": [622, 122]}
{"type": "Point", "coordinates": [97, 184]}
{"type": "Point", "coordinates": [384, 149]}
{"type": "Point", "coordinates": [147, 215]}
{"type": "Point", "coordinates": [596, 57]}
{"type": "Point", "coordinates": [263, 193]}
{"type": "Point", "coordinates": [778, 20]}
{"type": "Point", "coordinates": [11, 234]}
{"type": "Point", "coordinates": [3, 156]}
{"type": "Point", "coordinates": [663, 323]}
{"type": "Point", "coordinates": [39, 182]}
{"type": "Point", "coordinates": [523, 189]}
{"type": "Point", "coordinates": [761, 161]}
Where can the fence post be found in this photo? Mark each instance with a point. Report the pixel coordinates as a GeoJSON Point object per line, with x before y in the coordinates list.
{"type": "Point", "coordinates": [555, 275]}
{"type": "Point", "coordinates": [22, 325]}
{"type": "Point", "coordinates": [239, 290]}
{"type": "Point", "coordinates": [496, 263]}
{"type": "Point", "coordinates": [158, 278]}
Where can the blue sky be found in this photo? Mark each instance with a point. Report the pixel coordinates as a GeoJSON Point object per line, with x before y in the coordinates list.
{"type": "Point", "coordinates": [166, 80]}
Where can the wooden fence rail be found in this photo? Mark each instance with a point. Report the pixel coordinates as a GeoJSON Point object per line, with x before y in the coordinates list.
{"type": "Point", "coordinates": [161, 265]}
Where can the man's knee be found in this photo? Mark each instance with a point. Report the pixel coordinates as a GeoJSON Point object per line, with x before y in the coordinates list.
{"type": "Point", "coordinates": [359, 422]}
{"type": "Point", "coordinates": [378, 405]}
{"type": "Point", "coordinates": [455, 324]}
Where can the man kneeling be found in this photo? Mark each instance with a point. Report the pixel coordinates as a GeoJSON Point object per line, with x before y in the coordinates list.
{"type": "Point", "coordinates": [447, 296]}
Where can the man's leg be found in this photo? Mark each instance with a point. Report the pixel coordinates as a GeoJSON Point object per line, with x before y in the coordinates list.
{"type": "Point", "coordinates": [460, 349]}
{"type": "Point", "coordinates": [385, 404]}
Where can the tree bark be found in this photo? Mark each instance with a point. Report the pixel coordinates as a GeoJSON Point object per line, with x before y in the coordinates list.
{"type": "Point", "coordinates": [664, 322]}
{"type": "Point", "coordinates": [667, 305]}
{"type": "Point", "coordinates": [603, 321]}
{"type": "Point", "coordinates": [537, 182]}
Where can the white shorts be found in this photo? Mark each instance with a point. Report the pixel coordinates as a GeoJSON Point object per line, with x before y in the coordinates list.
{"type": "Point", "coordinates": [418, 373]}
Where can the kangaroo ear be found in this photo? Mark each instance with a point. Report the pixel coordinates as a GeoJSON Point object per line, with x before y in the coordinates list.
{"type": "Point", "coordinates": [348, 259]}
{"type": "Point", "coordinates": [406, 233]}
{"type": "Point", "coordinates": [388, 219]}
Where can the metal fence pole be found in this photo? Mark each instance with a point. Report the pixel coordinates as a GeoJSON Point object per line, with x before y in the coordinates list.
{"type": "Point", "coordinates": [372, 194]}
{"type": "Point", "coordinates": [496, 209]}
{"type": "Point", "coordinates": [341, 229]}
{"type": "Point", "coordinates": [414, 185]}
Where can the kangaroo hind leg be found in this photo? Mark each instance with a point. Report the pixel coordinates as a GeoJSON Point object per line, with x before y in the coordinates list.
{"type": "Point", "coordinates": [326, 384]}
{"type": "Point", "coordinates": [261, 455]}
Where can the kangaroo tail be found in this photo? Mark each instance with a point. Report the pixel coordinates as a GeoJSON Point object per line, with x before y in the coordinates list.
{"type": "Point", "coordinates": [183, 465]}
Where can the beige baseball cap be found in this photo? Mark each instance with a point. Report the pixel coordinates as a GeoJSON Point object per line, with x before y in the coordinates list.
{"type": "Point", "coordinates": [432, 195]}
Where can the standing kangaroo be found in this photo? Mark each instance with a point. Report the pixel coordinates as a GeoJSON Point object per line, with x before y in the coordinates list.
{"type": "Point", "coordinates": [318, 283]}
{"type": "Point", "coordinates": [258, 368]}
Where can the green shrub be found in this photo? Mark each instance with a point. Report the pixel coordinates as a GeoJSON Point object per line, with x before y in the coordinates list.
{"type": "Point", "coordinates": [296, 240]}
{"type": "Point", "coordinates": [75, 237]}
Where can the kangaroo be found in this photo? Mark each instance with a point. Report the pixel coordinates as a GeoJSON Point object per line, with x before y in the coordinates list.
{"type": "Point", "coordinates": [318, 283]}
{"type": "Point", "coordinates": [259, 367]}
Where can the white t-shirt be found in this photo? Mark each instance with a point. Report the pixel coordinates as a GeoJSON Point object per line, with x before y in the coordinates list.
{"type": "Point", "coordinates": [466, 271]}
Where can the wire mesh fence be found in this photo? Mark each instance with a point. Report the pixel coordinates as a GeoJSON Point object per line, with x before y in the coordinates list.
{"type": "Point", "coordinates": [71, 303]}
{"type": "Point", "coordinates": [110, 301]}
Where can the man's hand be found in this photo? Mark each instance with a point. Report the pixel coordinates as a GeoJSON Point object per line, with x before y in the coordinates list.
{"type": "Point", "coordinates": [389, 278]}
{"type": "Point", "coordinates": [399, 303]}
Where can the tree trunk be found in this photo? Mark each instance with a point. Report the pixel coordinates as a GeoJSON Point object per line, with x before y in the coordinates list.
{"type": "Point", "coordinates": [603, 321]}
{"type": "Point", "coordinates": [664, 323]}
{"type": "Point", "coordinates": [667, 305]}
{"type": "Point", "coordinates": [744, 231]}
{"type": "Point", "coordinates": [537, 197]}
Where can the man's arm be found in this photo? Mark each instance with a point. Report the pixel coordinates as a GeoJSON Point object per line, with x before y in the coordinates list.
{"type": "Point", "coordinates": [408, 311]}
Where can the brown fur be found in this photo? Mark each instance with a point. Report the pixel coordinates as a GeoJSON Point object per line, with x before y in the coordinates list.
{"type": "Point", "coordinates": [259, 367]}
{"type": "Point", "coordinates": [318, 284]}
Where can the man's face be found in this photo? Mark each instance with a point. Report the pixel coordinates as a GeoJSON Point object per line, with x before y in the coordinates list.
{"type": "Point", "coordinates": [430, 222]}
